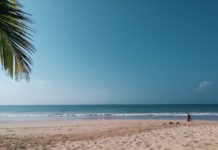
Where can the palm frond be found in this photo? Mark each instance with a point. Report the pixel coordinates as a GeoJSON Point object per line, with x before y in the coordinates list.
{"type": "Point", "coordinates": [15, 40]}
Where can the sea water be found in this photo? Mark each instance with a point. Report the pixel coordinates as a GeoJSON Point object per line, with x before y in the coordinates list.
{"type": "Point", "coordinates": [73, 112]}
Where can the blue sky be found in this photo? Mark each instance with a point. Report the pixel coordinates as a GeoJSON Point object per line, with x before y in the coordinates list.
{"type": "Point", "coordinates": [120, 52]}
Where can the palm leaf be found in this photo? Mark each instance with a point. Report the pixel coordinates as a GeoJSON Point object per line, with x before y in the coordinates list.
{"type": "Point", "coordinates": [15, 40]}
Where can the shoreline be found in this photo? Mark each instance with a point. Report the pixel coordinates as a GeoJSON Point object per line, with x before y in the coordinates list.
{"type": "Point", "coordinates": [108, 134]}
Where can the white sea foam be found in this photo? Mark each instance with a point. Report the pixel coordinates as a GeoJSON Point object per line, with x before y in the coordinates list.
{"type": "Point", "coordinates": [145, 114]}
{"type": "Point", "coordinates": [100, 115]}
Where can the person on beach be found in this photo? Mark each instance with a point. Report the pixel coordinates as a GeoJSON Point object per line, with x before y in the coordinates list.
{"type": "Point", "coordinates": [189, 118]}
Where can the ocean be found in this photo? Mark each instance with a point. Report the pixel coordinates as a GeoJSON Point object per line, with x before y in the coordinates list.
{"type": "Point", "coordinates": [77, 112]}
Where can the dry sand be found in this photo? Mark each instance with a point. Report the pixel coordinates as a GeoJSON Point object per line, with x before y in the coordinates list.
{"type": "Point", "coordinates": [109, 135]}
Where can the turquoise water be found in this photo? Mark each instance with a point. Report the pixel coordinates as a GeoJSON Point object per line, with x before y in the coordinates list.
{"type": "Point", "coordinates": [72, 112]}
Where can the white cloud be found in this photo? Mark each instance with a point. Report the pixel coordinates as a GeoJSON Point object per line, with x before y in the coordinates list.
{"type": "Point", "coordinates": [204, 85]}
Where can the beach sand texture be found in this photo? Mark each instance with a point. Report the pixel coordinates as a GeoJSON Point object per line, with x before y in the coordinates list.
{"type": "Point", "coordinates": [109, 135]}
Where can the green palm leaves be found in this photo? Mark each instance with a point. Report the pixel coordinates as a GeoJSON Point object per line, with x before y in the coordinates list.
{"type": "Point", "coordinates": [15, 40]}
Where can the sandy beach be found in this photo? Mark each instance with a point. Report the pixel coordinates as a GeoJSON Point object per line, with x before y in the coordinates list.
{"type": "Point", "coordinates": [109, 134]}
